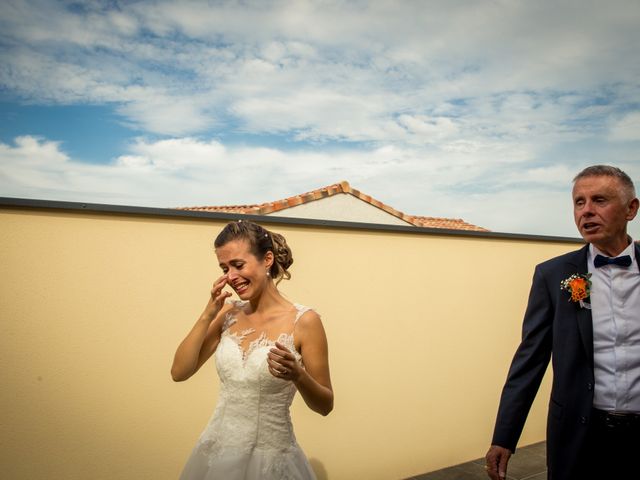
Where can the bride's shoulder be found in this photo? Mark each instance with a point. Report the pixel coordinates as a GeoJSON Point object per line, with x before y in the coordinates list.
{"type": "Point", "coordinates": [307, 317]}
{"type": "Point", "coordinates": [302, 311]}
{"type": "Point", "coordinates": [308, 329]}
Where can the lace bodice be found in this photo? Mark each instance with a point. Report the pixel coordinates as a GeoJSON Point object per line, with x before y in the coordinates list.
{"type": "Point", "coordinates": [253, 405]}
{"type": "Point", "coordinates": [262, 340]}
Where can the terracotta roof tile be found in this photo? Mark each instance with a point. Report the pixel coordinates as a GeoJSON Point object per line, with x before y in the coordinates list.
{"type": "Point", "coordinates": [335, 189]}
{"type": "Point", "coordinates": [450, 223]}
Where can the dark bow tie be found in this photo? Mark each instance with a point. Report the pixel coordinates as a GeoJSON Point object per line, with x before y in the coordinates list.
{"type": "Point", "coordinates": [601, 260]}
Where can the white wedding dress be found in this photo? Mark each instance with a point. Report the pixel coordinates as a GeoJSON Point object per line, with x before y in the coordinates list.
{"type": "Point", "coordinates": [250, 435]}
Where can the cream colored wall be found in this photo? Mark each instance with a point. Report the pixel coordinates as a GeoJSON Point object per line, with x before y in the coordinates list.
{"type": "Point", "coordinates": [421, 330]}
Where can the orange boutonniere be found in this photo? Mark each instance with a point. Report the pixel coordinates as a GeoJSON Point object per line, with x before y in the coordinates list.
{"type": "Point", "coordinates": [579, 285]}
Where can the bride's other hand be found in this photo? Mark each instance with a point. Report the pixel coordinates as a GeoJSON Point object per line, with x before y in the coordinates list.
{"type": "Point", "coordinates": [282, 363]}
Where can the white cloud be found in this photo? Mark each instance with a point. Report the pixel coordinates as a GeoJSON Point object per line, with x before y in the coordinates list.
{"type": "Point", "coordinates": [428, 129]}
{"type": "Point", "coordinates": [174, 154]}
{"type": "Point", "coordinates": [627, 128]}
{"type": "Point", "coordinates": [30, 150]}
{"type": "Point", "coordinates": [166, 114]}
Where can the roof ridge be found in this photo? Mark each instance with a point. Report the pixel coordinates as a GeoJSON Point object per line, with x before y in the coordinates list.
{"type": "Point", "coordinates": [342, 187]}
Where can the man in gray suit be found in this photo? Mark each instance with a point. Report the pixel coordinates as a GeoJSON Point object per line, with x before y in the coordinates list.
{"type": "Point", "coordinates": [584, 313]}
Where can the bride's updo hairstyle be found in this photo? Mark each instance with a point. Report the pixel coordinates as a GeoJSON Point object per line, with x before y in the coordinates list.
{"type": "Point", "coordinates": [260, 242]}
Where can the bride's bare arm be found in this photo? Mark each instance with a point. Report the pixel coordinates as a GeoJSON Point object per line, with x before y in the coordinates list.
{"type": "Point", "coordinates": [313, 381]}
{"type": "Point", "coordinates": [200, 343]}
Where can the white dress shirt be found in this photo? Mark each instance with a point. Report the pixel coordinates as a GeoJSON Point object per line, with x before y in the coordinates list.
{"type": "Point", "coordinates": [615, 310]}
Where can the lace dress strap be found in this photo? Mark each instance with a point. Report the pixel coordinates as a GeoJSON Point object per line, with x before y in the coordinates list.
{"type": "Point", "coordinates": [301, 310]}
{"type": "Point", "coordinates": [230, 316]}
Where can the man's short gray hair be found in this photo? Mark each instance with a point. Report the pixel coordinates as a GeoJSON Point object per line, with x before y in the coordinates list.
{"type": "Point", "coordinates": [609, 171]}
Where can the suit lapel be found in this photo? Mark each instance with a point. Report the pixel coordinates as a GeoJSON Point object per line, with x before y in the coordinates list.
{"type": "Point", "coordinates": [578, 264]}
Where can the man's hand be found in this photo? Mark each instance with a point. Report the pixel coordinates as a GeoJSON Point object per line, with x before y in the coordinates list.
{"type": "Point", "coordinates": [497, 459]}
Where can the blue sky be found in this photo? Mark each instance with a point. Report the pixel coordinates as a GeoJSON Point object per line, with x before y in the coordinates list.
{"type": "Point", "coordinates": [481, 110]}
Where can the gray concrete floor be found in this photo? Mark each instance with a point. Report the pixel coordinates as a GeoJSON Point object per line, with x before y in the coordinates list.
{"type": "Point", "coordinates": [528, 463]}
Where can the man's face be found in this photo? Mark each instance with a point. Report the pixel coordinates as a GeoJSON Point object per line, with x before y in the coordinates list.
{"type": "Point", "coordinates": [601, 211]}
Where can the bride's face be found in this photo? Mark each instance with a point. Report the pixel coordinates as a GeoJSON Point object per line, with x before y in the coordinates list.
{"type": "Point", "coordinates": [246, 274]}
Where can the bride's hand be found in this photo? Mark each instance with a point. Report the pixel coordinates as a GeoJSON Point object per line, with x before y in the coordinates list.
{"type": "Point", "coordinates": [282, 363]}
{"type": "Point", "coordinates": [217, 298]}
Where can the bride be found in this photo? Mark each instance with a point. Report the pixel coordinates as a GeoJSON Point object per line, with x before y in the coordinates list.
{"type": "Point", "coordinates": [265, 348]}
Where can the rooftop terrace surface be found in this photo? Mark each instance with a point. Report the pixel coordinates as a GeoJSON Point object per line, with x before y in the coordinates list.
{"type": "Point", "coordinates": [528, 463]}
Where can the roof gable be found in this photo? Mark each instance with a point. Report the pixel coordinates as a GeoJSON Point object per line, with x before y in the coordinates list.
{"type": "Point", "coordinates": [338, 189]}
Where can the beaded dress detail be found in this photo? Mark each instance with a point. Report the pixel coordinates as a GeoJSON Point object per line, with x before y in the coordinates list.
{"type": "Point", "coordinates": [250, 435]}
